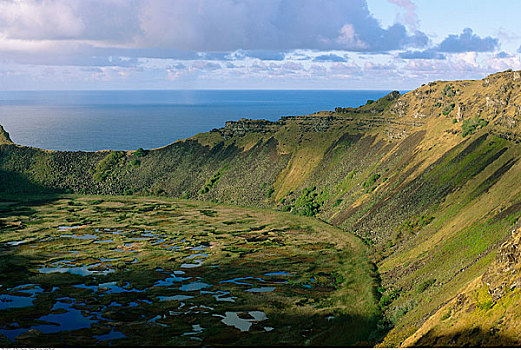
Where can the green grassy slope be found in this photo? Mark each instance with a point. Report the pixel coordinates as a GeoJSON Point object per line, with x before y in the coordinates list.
{"type": "Point", "coordinates": [427, 180]}
{"type": "Point", "coordinates": [484, 312]}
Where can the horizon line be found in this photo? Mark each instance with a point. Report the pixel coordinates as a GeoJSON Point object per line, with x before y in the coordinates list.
{"type": "Point", "coordinates": [210, 89]}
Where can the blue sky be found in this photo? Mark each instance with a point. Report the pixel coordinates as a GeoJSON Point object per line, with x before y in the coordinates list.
{"type": "Point", "coordinates": [253, 44]}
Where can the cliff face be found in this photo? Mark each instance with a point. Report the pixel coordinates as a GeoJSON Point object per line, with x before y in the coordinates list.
{"type": "Point", "coordinates": [4, 136]}
{"type": "Point", "coordinates": [429, 180]}
{"type": "Point", "coordinates": [246, 126]}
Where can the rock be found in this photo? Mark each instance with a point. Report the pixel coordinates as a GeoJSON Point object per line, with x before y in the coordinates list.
{"type": "Point", "coordinates": [244, 126]}
{"type": "Point", "coordinates": [459, 112]}
{"type": "Point", "coordinates": [4, 136]}
{"type": "Point", "coordinates": [509, 122]}
{"type": "Point", "coordinates": [399, 108]}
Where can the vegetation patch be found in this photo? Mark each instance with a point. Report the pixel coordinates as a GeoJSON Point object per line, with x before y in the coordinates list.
{"type": "Point", "coordinates": [389, 297]}
{"type": "Point", "coordinates": [448, 91]}
{"type": "Point", "coordinates": [106, 166]}
{"type": "Point", "coordinates": [370, 183]}
{"type": "Point", "coordinates": [414, 225]}
{"type": "Point", "coordinates": [424, 285]}
{"type": "Point", "coordinates": [307, 204]}
{"type": "Point", "coordinates": [140, 152]}
{"type": "Point", "coordinates": [448, 108]}
{"type": "Point", "coordinates": [211, 183]}
{"type": "Point", "coordinates": [469, 126]}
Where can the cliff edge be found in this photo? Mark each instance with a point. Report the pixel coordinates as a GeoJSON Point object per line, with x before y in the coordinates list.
{"type": "Point", "coordinates": [4, 136]}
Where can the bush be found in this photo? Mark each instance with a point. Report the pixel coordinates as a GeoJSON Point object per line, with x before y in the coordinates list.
{"type": "Point", "coordinates": [448, 108]}
{"type": "Point", "coordinates": [105, 166]}
{"type": "Point", "coordinates": [487, 305]}
{"type": "Point", "coordinates": [140, 152]}
{"type": "Point", "coordinates": [369, 184]}
{"type": "Point", "coordinates": [446, 315]}
{"type": "Point", "coordinates": [308, 204]}
{"type": "Point", "coordinates": [422, 287]}
{"type": "Point", "coordinates": [368, 241]}
{"type": "Point", "coordinates": [286, 208]}
{"type": "Point", "coordinates": [449, 91]}
{"type": "Point", "coordinates": [470, 125]}
{"type": "Point", "coordinates": [388, 298]}
{"type": "Point", "coordinates": [211, 183]}
{"type": "Point", "coordinates": [414, 224]}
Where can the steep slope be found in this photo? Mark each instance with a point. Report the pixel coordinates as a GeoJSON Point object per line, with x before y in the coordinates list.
{"type": "Point", "coordinates": [4, 136]}
{"type": "Point", "coordinates": [429, 180]}
{"type": "Point", "coordinates": [484, 313]}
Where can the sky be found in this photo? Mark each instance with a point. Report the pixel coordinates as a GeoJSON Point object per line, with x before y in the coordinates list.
{"type": "Point", "coordinates": [253, 44]}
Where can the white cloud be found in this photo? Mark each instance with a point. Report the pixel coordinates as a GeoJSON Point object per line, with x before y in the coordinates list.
{"type": "Point", "coordinates": [34, 20]}
{"type": "Point", "coordinates": [238, 40]}
{"type": "Point", "coordinates": [410, 17]}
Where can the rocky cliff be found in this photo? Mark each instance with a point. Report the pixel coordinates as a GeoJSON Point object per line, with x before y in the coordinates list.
{"type": "Point", "coordinates": [4, 136]}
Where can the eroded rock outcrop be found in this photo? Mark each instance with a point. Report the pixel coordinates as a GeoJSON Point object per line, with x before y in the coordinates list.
{"type": "Point", "coordinates": [244, 126]}
{"type": "Point", "coordinates": [4, 136]}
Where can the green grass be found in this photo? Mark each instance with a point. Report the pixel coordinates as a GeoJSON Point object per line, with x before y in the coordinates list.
{"type": "Point", "coordinates": [469, 126]}
{"type": "Point", "coordinates": [105, 167]}
{"type": "Point", "coordinates": [211, 183]}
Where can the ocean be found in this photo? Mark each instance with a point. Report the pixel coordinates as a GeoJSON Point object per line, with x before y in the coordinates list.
{"type": "Point", "coordinates": [127, 120]}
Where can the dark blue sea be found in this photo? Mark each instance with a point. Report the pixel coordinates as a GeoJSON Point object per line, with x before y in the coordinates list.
{"type": "Point", "coordinates": [127, 120]}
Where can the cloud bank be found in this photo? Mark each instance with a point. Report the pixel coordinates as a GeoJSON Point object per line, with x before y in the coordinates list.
{"type": "Point", "coordinates": [246, 41]}
{"type": "Point", "coordinates": [152, 27]}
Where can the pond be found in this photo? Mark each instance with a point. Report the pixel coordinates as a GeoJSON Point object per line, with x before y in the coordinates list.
{"type": "Point", "coordinates": [185, 280]}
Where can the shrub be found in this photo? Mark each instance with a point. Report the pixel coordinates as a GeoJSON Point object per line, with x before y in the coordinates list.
{"type": "Point", "coordinates": [211, 183]}
{"type": "Point", "coordinates": [105, 166]}
{"type": "Point", "coordinates": [423, 286]}
{"type": "Point", "coordinates": [449, 91]}
{"type": "Point", "coordinates": [368, 241]}
{"type": "Point", "coordinates": [388, 298]}
{"type": "Point", "coordinates": [470, 125]}
{"type": "Point", "coordinates": [446, 315]}
{"type": "Point", "coordinates": [448, 108]}
{"type": "Point", "coordinates": [487, 305]}
{"type": "Point", "coordinates": [309, 203]}
{"type": "Point", "coordinates": [369, 184]}
{"type": "Point", "coordinates": [140, 152]}
{"type": "Point", "coordinates": [414, 224]}
{"type": "Point", "coordinates": [286, 208]}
